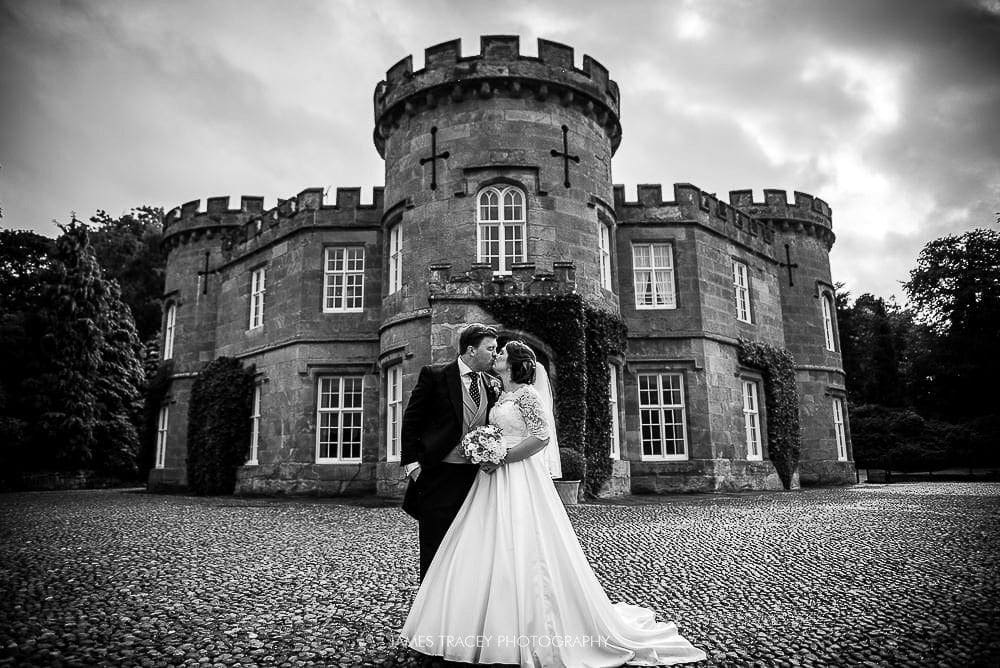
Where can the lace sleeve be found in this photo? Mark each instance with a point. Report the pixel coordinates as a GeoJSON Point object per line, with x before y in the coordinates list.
{"type": "Point", "coordinates": [534, 418]}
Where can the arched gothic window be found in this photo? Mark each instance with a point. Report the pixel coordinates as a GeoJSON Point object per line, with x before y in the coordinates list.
{"type": "Point", "coordinates": [500, 227]}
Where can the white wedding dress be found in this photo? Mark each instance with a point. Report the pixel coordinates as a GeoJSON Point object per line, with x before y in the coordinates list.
{"type": "Point", "coordinates": [510, 583]}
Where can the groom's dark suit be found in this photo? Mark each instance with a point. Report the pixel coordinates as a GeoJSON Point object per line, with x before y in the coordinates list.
{"type": "Point", "coordinates": [432, 427]}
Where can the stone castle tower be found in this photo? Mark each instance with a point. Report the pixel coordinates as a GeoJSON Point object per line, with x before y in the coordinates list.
{"type": "Point", "coordinates": [498, 178]}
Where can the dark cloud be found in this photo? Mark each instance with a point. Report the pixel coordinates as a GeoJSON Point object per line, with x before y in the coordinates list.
{"type": "Point", "coordinates": [890, 110]}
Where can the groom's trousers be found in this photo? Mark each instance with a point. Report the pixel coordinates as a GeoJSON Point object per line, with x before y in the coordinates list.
{"type": "Point", "coordinates": [442, 488]}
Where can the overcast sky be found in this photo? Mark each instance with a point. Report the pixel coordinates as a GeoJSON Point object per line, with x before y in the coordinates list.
{"type": "Point", "coordinates": [890, 111]}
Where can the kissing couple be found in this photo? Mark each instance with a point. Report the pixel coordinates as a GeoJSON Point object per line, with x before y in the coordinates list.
{"type": "Point", "coordinates": [503, 577]}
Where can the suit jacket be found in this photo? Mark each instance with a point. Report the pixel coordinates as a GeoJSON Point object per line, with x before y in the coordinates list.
{"type": "Point", "coordinates": [432, 421]}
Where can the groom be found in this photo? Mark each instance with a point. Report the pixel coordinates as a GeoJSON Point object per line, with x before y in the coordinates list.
{"type": "Point", "coordinates": [448, 401]}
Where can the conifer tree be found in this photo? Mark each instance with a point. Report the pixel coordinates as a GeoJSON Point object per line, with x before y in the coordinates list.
{"type": "Point", "coordinates": [87, 387]}
{"type": "Point", "coordinates": [25, 264]}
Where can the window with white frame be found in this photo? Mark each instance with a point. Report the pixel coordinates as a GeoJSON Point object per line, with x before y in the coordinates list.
{"type": "Point", "coordinates": [339, 419]}
{"type": "Point", "coordinates": [254, 426]}
{"type": "Point", "coordinates": [161, 436]}
{"type": "Point", "coordinates": [616, 452]}
{"type": "Point", "coordinates": [500, 225]}
{"type": "Point", "coordinates": [751, 420]}
{"type": "Point", "coordinates": [344, 279]}
{"type": "Point", "coordinates": [168, 331]}
{"type": "Point", "coordinates": [741, 287]}
{"type": "Point", "coordinates": [395, 258]}
{"type": "Point", "coordinates": [661, 416]}
{"type": "Point", "coordinates": [604, 234]}
{"type": "Point", "coordinates": [653, 274]}
{"type": "Point", "coordinates": [838, 428]}
{"type": "Point", "coordinates": [831, 341]}
{"type": "Point", "coordinates": [257, 298]}
{"type": "Point", "coordinates": [393, 411]}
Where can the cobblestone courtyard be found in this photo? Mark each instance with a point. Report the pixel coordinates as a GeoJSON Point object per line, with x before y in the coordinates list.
{"type": "Point", "coordinates": [895, 575]}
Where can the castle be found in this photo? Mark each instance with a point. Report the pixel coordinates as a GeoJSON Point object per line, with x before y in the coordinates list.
{"type": "Point", "coordinates": [498, 173]}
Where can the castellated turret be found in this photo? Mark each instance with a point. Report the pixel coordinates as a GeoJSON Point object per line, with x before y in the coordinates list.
{"type": "Point", "coordinates": [803, 237]}
{"type": "Point", "coordinates": [498, 181]}
{"type": "Point", "coordinates": [535, 133]}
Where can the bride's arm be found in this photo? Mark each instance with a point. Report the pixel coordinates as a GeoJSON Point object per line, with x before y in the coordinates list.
{"type": "Point", "coordinates": [538, 428]}
{"type": "Point", "coordinates": [525, 449]}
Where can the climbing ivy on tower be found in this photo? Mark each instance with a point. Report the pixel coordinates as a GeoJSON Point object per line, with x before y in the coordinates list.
{"type": "Point", "coordinates": [606, 336]}
{"type": "Point", "coordinates": [581, 339]}
{"type": "Point", "coordinates": [218, 439]}
{"type": "Point", "coordinates": [781, 398]}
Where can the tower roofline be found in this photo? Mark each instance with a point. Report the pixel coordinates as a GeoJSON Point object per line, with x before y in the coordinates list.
{"type": "Point", "coordinates": [499, 69]}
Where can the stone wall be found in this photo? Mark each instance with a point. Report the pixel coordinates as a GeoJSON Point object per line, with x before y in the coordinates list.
{"type": "Point", "coordinates": [498, 118]}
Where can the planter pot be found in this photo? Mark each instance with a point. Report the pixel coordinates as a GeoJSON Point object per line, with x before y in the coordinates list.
{"type": "Point", "coordinates": [569, 491]}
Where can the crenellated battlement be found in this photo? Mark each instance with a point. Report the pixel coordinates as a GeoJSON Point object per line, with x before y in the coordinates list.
{"type": "Point", "coordinates": [498, 69]}
{"type": "Point", "coordinates": [805, 214]}
{"type": "Point", "coordinates": [691, 204]}
{"type": "Point", "coordinates": [776, 205]}
{"type": "Point", "coordinates": [251, 223]}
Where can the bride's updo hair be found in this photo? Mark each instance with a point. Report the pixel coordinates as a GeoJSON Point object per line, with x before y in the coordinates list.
{"type": "Point", "coordinates": [522, 362]}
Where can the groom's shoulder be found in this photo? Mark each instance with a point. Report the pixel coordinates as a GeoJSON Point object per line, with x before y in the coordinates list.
{"type": "Point", "coordinates": [437, 369]}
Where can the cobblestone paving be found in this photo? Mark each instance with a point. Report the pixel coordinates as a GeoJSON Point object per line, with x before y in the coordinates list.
{"type": "Point", "coordinates": [895, 575]}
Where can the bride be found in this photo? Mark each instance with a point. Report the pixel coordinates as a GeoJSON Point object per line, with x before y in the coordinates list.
{"type": "Point", "coordinates": [510, 583]}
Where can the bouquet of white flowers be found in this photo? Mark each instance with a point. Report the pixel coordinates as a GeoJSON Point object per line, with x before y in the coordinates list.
{"type": "Point", "coordinates": [484, 444]}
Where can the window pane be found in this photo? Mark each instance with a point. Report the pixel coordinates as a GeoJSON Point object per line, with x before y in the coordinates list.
{"type": "Point", "coordinates": [644, 287]}
{"type": "Point", "coordinates": [329, 393]}
{"type": "Point", "coordinates": [671, 390]}
{"type": "Point", "coordinates": [512, 205]}
{"type": "Point", "coordinates": [356, 259]}
{"type": "Point", "coordinates": [351, 436]}
{"type": "Point", "coordinates": [662, 286]}
{"type": "Point", "coordinates": [489, 249]}
{"type": "Point", "coordinates": [641, 257]}
{"type": "Point", "coordinates": [661, 255]}
{"type": "Point", "coordinates": [488, 205]}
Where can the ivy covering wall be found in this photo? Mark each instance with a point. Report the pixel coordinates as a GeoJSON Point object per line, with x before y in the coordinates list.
{"type": "Point", "coordinates": [781, 399]}
{"type": "Point", "coordinates": [581, 338]}
{"type": "Point", "coordinates": [157, 388]}
{"type": "Point", "coordinates": [218, 439]}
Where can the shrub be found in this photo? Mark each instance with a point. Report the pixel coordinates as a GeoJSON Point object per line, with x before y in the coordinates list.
{"type": "Point", "coordinates": [218, 438]}
{"type": "Point", "coordinates": [901, 439]}
{"type": "Point", "coordinates": [574, 465]}
{"type": "Point", "coordinates": [984, 435]}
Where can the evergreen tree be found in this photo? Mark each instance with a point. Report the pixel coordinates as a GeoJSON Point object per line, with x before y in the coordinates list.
{"type": "Point", "coordinates": [129, 251]}
{"type": "Point", "coordinates": [85, 391]}
{"type": "Point", "coordinates": [119, 384]}
{"type": "Point", "coordinates": [873, 335]}
{"type": "Point", "coordinates": [25, 265]}
{"type": "Point", "coordinates": [62, 392]}
{"type": "Point", "coordinates": [24, 257]}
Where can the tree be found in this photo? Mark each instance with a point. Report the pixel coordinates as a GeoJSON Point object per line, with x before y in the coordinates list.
{"type": "Point", "coordinates": [128, 250]}
{"type": "Point", "coordinates": [25, 263]}
{"type": "Point", "coordinates": [24, 257]}
{"type": "Point", "coordinates": [874, 336]}
{"type": "Point", "coordinates": [84, 393]}
{"type": "Point", "coordinates": [955, 290]}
